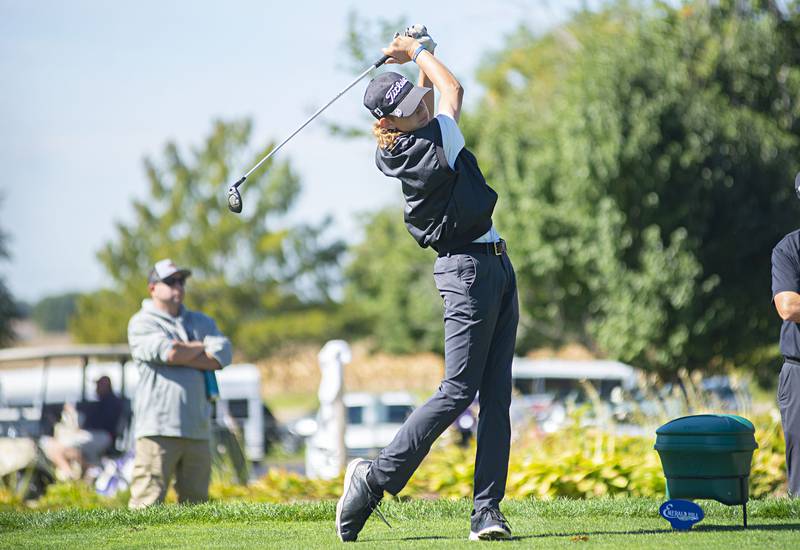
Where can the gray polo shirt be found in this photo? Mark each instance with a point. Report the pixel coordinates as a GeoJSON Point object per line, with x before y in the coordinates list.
{"type": "Point", "coordinates": [171, 400]}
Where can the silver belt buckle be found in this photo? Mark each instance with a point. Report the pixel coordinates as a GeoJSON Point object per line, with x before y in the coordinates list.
{"type": "Point", "coordinates": [499, 247]}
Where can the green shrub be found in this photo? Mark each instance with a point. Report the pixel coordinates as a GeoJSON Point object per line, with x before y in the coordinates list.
{"type": "Point", "coordinates": [573, 463]}
{"type": "Point", "coordinates": [278, 485]}
{"type": "Point", "coordinates": [586, 463]}
{"type": "Point", "coordinates": [77, 494]}
{"type": "Point", "coordinates": [9, 499]}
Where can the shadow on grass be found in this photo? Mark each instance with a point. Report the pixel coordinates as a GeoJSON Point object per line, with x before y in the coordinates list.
{"type": "Point", "coordinates": [751, 527]}
{"type": "Point", "coordinates": [705, 528]}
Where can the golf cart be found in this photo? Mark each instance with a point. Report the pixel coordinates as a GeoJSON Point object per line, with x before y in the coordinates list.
{"type": "Point", "coordinates": [544, 387]}
{"type": "Point", "coordinates": [32, 400]}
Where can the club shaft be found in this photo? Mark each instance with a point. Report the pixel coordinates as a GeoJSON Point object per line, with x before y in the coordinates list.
{"type": "Point", "coordinates": [315, 115]}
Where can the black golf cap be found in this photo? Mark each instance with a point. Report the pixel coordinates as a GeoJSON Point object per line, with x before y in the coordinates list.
{"type": "Point", "coordinates": [392, 94]}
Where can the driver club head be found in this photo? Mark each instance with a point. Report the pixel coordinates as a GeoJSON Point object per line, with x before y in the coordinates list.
{"type": "Point", "coordinates": [797, 185]}
{"type": "Point", "coordinates": [234, 200]}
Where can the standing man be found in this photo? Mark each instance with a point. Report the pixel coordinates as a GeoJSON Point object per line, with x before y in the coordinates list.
{"type": "Point", "coordinates": [172, 348]}
{"type": "Point", "coordinates": [786, 296]}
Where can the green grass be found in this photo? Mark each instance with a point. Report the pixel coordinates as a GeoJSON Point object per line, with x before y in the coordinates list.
{"type": "Point", "coordinates": [601, 523]}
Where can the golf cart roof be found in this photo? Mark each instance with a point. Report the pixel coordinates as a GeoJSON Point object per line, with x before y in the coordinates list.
{"type": "Point", "coordinates": [362, 399]}
{"type": "Point", "coordinates": [12, 357]}
{"type": "Point", "coordinates": [571, 369]}
{"type": "Point", "coordinates": [113, 351]}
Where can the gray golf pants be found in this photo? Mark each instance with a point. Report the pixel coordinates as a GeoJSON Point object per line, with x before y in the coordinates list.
{"type": "Point", "coordinates": [481, 312]}
{"type": "Point", "coordinates": [789, 404]}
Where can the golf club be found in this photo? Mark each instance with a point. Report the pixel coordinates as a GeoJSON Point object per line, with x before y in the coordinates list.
{"type": "Point", "coordinates": [234, 197]}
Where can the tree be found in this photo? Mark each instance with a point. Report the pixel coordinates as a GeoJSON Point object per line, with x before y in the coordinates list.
{"type": "Point", "coordinates": [362, 45]}
{"type": "Point", "coordinates": [644, 160]}
{"type": "Point", "coordinates": [390, 293]}
{"type": "Point", "coordinates": [265, 283]}
{"type": "Point", "coordinates": [52, 313]}
{"type": "Point", "coordinates": [644, 157]}
{"type": "Point", "coordinates": [8, 308]}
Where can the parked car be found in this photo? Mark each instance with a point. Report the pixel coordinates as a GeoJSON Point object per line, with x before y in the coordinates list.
{"type": "Point", "coordinates": [730, 395]}
{"type": "Point", "coordinates": [544, 387]}
{"type": "Point", "coordinates": [373, 419]}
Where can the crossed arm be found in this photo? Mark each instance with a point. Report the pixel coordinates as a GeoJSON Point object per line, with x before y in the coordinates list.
{"type": "Point", "coordinates": [191, 354]}
{"type": "Point", "coordinates": [148, 343]}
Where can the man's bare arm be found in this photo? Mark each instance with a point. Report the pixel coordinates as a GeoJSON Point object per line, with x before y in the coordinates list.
{"type": "Point", "coordinates": [451, 94]}
{"type": "Point", "coordinates": [788, 305]}
{"type": "Point", "coordinates": [191, 354]}
{"type": "Point", "coordinates": [204, 362]}
{"type": "Point", "coordinates": [182, 352]}
{"type": "Point", "coordinates": [424, 82]}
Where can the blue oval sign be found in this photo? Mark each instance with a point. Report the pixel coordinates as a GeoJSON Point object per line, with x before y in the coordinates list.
{"type": "Point", "coordinates": [681, 514]}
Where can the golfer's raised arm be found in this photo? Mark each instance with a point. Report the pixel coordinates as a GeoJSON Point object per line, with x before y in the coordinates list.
{"type": "Point", "coordinates": [425, 82]}
{"type": "Point", "coordinates": [451, 94]}
{"type": "Point", "coordinates": [402, 49]}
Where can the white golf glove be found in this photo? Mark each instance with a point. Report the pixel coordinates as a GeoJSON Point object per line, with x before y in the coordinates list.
{"type": "Point", "coordinates": [419, 32]}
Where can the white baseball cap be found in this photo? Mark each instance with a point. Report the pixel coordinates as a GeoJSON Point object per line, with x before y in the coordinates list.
{"type": "Point", "coordinates": [164, 269]}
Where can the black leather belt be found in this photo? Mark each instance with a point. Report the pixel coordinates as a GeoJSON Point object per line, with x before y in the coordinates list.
{"type": "Point", "coordinates": [497, 248]}
{"type": "Point", "coordinates": [792, 360]}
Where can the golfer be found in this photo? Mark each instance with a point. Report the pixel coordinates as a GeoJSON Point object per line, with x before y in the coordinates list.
{"type": "Point", "coordinates": [448, 208]}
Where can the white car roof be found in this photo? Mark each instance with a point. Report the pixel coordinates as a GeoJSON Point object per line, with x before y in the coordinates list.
{"type": "Point", "coordinates": [362, 399]}
{"type": "Point", "coordinates": [575, 369]}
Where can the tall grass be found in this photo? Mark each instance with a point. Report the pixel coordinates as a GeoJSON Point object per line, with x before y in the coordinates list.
{"type": "Point", "coordinates": [590, 457]}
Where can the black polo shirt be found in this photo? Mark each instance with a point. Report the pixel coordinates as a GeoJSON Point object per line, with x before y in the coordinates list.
{"type": "Point", "coordinates": [786, 277]}
{"type": "Point", "coordinates": [103, 415]}
{"type": "Point", "coordinates": [445, 207]}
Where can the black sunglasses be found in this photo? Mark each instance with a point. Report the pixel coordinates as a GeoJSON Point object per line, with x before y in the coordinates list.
{"type": "Point", "coordinates": [172, 281]}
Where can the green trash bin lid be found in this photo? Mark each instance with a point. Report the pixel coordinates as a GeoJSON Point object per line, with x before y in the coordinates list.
{"type": "Point", "coordinates": [707, 424]}
{"type": "Point", "coordinates": [707, 432]}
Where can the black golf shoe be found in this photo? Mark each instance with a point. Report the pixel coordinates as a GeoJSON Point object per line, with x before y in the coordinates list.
{"type": "Point", "coordinates": [357, 501]}
{"type": "Point", "coordinates": [489, 524]}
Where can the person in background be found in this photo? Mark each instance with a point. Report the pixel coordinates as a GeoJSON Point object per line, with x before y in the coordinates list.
{"type": "Point", "coordinates": [786, 297]}
{"type": "Point", "coordinates": [173, 348]}
{"type": "Point", "coordinates": [72, 451]}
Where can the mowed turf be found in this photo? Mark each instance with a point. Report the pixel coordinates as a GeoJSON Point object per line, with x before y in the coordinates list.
{"type": "Point", "coordinates": [600, 523]}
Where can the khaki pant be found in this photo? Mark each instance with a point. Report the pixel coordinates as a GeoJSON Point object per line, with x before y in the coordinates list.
{"type": "Point", "coordinates": [158, 458]}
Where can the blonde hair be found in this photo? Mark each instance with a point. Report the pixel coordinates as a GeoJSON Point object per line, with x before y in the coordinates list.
{"type": "Point", "coordinates": [385, 136]}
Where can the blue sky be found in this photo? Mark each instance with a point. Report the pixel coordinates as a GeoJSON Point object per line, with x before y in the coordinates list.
{"type": "Point", "coordinates": [90, 88]}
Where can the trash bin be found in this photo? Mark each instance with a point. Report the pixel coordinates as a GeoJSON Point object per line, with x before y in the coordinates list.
{"type": "Point", "coordinates": [708, 456]}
